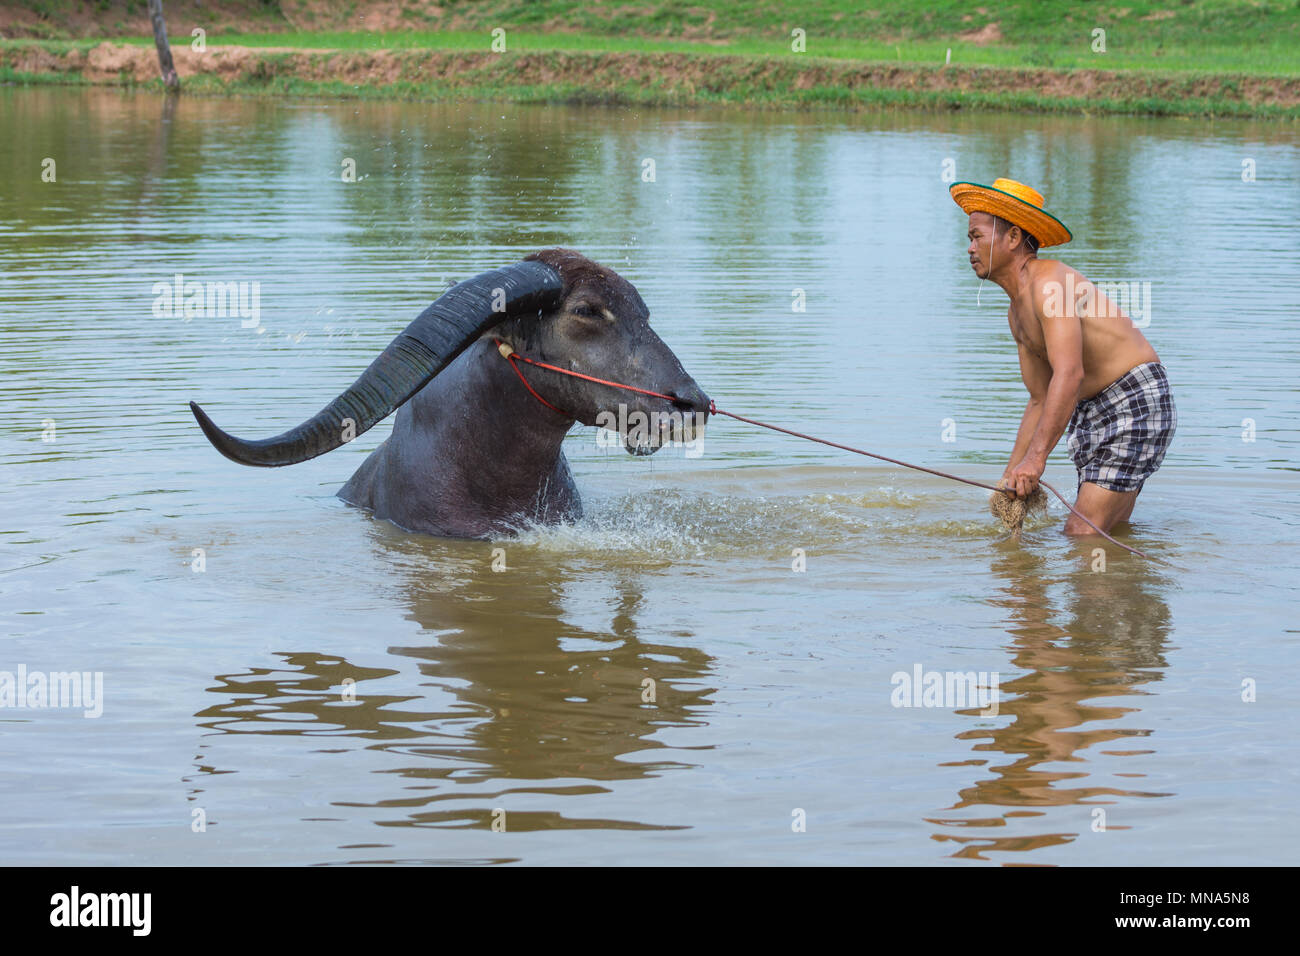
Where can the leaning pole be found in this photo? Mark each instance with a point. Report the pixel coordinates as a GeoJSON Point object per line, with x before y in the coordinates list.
{"type": "Point", "coordinates": [172, 81]}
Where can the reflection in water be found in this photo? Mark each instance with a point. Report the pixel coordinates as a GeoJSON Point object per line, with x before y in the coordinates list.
{"type": "Point", "coordinates": [512, 694]}
{"type": "Point", "coordinates": [1112, 643]}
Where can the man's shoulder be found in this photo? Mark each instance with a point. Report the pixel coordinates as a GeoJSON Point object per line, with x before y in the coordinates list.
{"type": "Point", "coordinates": [1051, 283]}
{"type": "Point", "coordinates": [1048, 268]}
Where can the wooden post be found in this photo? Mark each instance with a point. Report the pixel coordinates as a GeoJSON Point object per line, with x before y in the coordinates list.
{"type": "Point", "coordinates": [172, 81]}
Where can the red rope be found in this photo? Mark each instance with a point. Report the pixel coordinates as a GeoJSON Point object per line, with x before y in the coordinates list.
{"type": "Point", "coordinates": [713, 409]}
{"type": "Point", "coordinates": [512, 356]}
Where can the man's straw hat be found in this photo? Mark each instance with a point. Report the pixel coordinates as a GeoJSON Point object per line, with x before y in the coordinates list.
{"type": "Point", "coordinates": [1016, 203]}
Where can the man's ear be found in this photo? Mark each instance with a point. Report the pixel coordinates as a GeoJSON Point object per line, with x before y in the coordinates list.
{"type": "Point", "coordinates": [1015, 236]}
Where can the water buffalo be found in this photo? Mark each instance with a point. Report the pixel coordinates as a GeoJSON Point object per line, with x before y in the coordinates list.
{"type": "Point", "coordinates": [473, 453]}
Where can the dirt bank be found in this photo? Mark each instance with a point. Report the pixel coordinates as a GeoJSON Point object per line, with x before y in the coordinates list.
{"type": "Point", "coordinates": [660, 78]}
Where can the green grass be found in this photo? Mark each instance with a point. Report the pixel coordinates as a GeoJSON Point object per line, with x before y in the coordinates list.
{"type": "Point", "coordinates": [1262, 35]}
{"type": "Point", "coordinates": [1055, 22]}
{"type": "Point", "coordinates": [1276, 58]}
{"type": "Point", "coordinates": [61, 45]}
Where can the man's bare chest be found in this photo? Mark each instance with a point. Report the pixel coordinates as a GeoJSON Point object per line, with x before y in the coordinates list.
{"type": "Point", "coordinates": [1027, 331]}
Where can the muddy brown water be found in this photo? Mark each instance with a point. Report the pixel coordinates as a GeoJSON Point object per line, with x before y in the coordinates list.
{"type": "Point", "coordinates": [656, 683]}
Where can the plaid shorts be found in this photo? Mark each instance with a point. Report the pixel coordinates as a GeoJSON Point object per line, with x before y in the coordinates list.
{"type": "Point", "coordinates": [1119, 437]}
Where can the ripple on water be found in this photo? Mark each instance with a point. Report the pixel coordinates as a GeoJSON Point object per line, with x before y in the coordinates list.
{"type": "Point", "coordinates": [668, 524]}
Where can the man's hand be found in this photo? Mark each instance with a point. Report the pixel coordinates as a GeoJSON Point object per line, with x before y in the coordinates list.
{"type": "Point", "coordinates": [1022, 478]}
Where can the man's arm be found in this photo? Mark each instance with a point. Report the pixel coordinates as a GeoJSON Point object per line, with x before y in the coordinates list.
{"type": "Point", "coordinates": [1037, 376]}
{"type": "Point", "coordinates": [1063, 338]}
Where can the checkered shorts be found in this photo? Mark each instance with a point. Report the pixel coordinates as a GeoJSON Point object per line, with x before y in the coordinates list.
{"type": "Point", "coordinates": [1119, 437]}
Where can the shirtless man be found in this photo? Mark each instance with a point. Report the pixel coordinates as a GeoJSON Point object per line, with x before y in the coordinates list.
{"type": "Point", "coordinates": [1082, 359]}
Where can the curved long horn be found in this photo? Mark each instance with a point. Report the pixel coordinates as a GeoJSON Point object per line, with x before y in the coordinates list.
{"type": "Point", "coordinates": [427, 346]}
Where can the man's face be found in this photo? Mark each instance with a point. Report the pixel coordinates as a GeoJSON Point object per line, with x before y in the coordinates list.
{"type": "Point", "coordinates": [980, 233]}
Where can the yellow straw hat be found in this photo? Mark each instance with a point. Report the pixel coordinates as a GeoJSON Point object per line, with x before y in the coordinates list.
{"type": "Point", "coordinates": [1016, 203]}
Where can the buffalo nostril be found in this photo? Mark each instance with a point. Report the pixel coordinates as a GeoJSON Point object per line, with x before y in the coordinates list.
{"type": "Point", "coordinates": [693, 401]}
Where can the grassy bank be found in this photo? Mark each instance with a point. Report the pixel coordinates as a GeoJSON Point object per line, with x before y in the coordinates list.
{"type": "Point", "coordinates": [1202, 58]}
{"type": "Point", "coordinates": [1276, 55]}
{"type": "Point", "coordinates": [1245, 36]}
{"type": "Point", "coordinates": [655, 79]}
